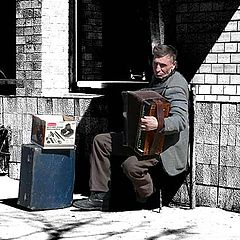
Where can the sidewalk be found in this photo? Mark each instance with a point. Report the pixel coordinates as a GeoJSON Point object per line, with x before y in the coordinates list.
{"type": "Point", "coordinates": [68, 223]}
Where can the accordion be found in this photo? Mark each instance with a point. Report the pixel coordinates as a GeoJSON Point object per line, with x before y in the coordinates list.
{"type": "Point", "coordinates": [137, 104]}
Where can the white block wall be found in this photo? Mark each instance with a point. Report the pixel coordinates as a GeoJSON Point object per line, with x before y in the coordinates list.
{"type": "Point", "coordinates": [55, 38]}
{"type": "Point", "coordinates": [218, 78]}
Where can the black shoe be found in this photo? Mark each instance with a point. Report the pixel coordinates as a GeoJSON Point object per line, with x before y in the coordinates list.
{"type": "Point", "coordinates": [149, 203]}
{"type": "Point", "coordinates": [145, 199]}
{"type": "Point", "coordinates": [96, 201]}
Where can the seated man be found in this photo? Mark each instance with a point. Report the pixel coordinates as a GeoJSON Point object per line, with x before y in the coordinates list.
{"type": "Point", "coordinates": [172, 161]}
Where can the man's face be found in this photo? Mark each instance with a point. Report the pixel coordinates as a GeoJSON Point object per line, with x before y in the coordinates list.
{"type": "Point", "coordinates": [163, 66]}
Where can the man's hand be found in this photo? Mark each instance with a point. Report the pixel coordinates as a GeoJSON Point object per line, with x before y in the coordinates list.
{"type": "Point", "coordinates": [149, 123]}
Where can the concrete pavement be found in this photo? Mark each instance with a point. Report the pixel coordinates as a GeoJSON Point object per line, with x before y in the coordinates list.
{"type": "Point", "coordinates": [68, 223]}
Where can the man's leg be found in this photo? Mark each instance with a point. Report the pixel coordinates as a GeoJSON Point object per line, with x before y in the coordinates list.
{"type": "Point", "coordinates": [100, 163]}
{"type": "Point", "coordinates": [104, 145]}
{"type": "Point", "coordinates": [138, 172]}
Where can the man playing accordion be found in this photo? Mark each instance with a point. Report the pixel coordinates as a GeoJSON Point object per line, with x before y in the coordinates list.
{"type": "Point", "coordinates": [169, 164]}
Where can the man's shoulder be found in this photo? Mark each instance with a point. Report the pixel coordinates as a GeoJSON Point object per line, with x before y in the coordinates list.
{"type": "Point", "coordinates": [177, 79]}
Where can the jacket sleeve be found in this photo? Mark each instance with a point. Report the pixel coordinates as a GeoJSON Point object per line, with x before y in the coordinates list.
{"type": "Point", "coordinates": [178, 116]}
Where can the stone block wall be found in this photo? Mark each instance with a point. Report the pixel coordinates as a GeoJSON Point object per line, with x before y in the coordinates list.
{"type": "Point", "coordinates": [55, 47]}
{"type": "Point", "coordinates": [90, 29]}
{"type": "Point", "coordinates": [18, 111]}
{"type": "Point", "coordinates": [28, 47]}
{"type": "Point", "coordinates": [44, 72]}
{"type": "Point", "coordinates": [217, 155]}
{"type": "Point", "coordinates": [208, 40]}
{"type": "Point", "coordinates": [208, 37]}
{"type": "Point", "coordinates": [42, 47]}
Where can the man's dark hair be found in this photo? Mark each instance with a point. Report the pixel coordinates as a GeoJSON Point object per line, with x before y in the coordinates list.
{"type": "Point", "coordinates": [162, 50]}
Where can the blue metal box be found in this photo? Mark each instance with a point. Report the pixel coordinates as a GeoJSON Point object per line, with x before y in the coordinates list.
{"type": "Point", "coordinates": [46, 177]}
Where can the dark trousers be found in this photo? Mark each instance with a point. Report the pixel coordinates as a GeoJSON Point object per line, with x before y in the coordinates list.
{"type": "Point", "coordinates": [105, 147]}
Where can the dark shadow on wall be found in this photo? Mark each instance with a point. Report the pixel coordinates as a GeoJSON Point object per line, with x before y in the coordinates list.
{"type": "Point", "coordinates": [93, 121]}
{"type": "Point", "coordinates": [199, 31]}
{"type": "Point", "coordinates": [103, 114]}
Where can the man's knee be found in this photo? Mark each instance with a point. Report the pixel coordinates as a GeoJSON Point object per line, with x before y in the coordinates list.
{"type": "Point", "coordinates": [137, 172]}
{"type": "Point", "coordinates": [129, 164]}
{"type": "Point", "coordinates": [101, 138]}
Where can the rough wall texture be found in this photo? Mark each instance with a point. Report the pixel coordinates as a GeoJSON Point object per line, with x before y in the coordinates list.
{"type": "Point", "coordinates": [208, 40]}
{"type": "Point", "coordinates": [90, 26]}
{"type": "Point", "coordinates": [55, 47]}
{"type": "Point", "coordinates": [43, 54]}
{"type": "Point", "coordinates": [42, 47]}
{"type": "Point", "coordinates": [208, 37]}
{"type": "Point", "coordinates": [217, 154]}
{"type": "Point", "coordinates": [28, 47]}
{"type": "Point", "coordinates": [18, 114]}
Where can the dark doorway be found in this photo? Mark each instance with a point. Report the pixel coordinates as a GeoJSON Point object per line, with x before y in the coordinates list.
{"type": "Point", "coordinates": [126, 39]}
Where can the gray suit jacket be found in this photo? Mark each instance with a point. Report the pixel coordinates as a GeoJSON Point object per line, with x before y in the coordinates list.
{"type": "Point", "coordinates": [176, 127]}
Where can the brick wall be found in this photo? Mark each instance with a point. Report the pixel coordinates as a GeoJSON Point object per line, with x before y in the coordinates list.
{"type": "Point", "coordinates": [218, 76]}
{"type": "Point", "coordinates": [217, 154]}
{"type": "Point", "coordinates": [90, 27]}
{"type": "Point", "coordinates": [42, 47]}
{"type": "Point", "coordinates": [18, 112]}
{"type": "Point", "coordinates": [28, 47]}
{"type": "Point", "coordinates": [208, 38]}
{"type": "Point", "coordinates": [55, 47]}
{"type": "Point", "coordinates": [43, 70]}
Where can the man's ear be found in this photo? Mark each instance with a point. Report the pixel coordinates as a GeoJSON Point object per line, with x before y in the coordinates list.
{"type": "Point", "coordinates": [174, 65]}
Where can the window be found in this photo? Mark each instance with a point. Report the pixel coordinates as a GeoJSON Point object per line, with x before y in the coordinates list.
{"type": "Point", "coordinates": [110, 42]}
{"type": "Point", "coordinates": [126, 38]}
{"type": "Point", "coordinates": [8, 47]}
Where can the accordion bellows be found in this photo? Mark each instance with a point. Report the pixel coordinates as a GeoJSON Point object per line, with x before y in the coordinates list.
{"type": "Point", "coordinates": [137, 104]}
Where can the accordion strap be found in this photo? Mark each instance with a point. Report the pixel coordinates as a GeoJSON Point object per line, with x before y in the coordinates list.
{"type": "Point", "coordinates": [160, 114]}
{"type": "Point", "coordinates": [158, 134]}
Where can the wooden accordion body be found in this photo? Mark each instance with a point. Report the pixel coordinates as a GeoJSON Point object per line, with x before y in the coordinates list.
{"type": "Point", "coordinates": [137, 104]}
